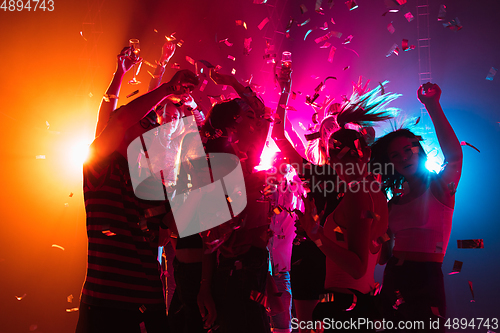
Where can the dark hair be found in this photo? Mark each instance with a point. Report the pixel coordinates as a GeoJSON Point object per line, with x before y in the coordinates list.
{"type": "Point", "coordinates": [346, 138]}
{"type": "Point", "coordinates": [380, 157]}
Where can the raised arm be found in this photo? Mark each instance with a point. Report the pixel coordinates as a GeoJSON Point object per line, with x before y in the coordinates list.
{"type": "Point", "coordinates": [167, 51]}
{"type": "Point", "coordinates": [130, 114]}
{"type": "Point", "coordinates": [110, 99]}
{"type": "Point", "coordinates": [244, 92]}
{"type": "Point", "coordinates": [283, 133]}
{"type": "Point", "coordinates": [429, 95]}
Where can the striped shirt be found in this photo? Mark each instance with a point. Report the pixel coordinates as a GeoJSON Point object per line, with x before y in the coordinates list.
{"type": "Point", "coordinates": [122, 270]}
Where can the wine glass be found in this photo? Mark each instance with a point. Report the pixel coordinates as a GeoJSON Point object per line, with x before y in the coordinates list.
{"type": "Point", "coordinates": [136, 50]}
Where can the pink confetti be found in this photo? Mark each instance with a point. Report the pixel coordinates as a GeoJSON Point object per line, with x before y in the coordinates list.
{"type": "Point", "coordinates": [348, 39]}
{"type": "Point", "coordinates": [409, 17]}
{"type": "Point", "coordinates": [327, 36]}
{"type": "Point", "coordinates": [203, 85]}
{"type": "Point", "coordinates": [390, 27]}
{"type": "Point", "coordinates": [225, 41]}
{"type": "Point", "coordinates": [325, 26]}
{"type": "Point", "coordinates": [405, 47]}
{"type": "Point", "coordinates": [325, 46]}
{"type": "Point", "coordinates": [263, 23]}
{"type": "Point", "coordinates": [332, 53]}
{"type": "Point", "coordinates": [356, 53]}
{"type": "Point", "coordinates": [231, 57]}
{"type": "Point", "coordinates": [351, 4]}
{"type": "Point", "coordinates": [246, 45]}
{"type": "Point", "coordinates": [190, 60]}
{"type": "Point", "coordinates": [333, 22]}
{"type": "Point", "coordinates": [303, 8]}
{"type": "Point", "coordinates": [394, 49]}
{"type": "Point", "coordinates": [233, 71]}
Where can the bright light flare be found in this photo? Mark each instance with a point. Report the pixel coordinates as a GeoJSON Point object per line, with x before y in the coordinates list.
{"type": "Point", "coordinates": [79, 153]}
{"type": "Point", "coordinates": [433, 164]}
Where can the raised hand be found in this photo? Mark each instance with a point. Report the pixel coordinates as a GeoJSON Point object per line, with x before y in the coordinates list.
{"type": "Point", "coordinates": [126, 59]}
{"type": "Point", "coordinates": [183, 82]}
{"type": "Point", "coordinates": [429, 93]}
{"type": "Point", "coordinates": [167, 51]}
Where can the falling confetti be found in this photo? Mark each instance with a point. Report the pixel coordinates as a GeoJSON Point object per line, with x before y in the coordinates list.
{"type": "Point", "coordinates": [233, 71]}
{"type": "Point", "coordinates": [40, 157]}
{"type": "Point", "coordinates": [409, 17]}
{"type": "Point", "coordinates": [317, 7]}
{"type": "Point", "coordinates": [394, 49]}
{"type": "Point", "coordinates": [226, 41]}
{"type": "Point", "coordinates": [491, 74]}
{"type": "Point", "coordinates": [390, 27]}
{"type": "Point", "coordinates": [442, 13]}
{"type": "Point", "coordinates": [133, 93]}
{"type": "Point", "coordinates": [263, 23]}
{"type": "Point", "coordinates": [325, 26]}
{"type": "Point", "coordinates": [470, 244]}
{"type": "Point", "coordinates": [71, 195]}
{"type": "Point", "coordinates": [70, 298]}
{"type": "Point", "coordinates": [72, 310]}
{"type": "Point", "coordinates": [303, 8]}
{"type": "Point", "coordinates": [176, 66]}
{"type": "Point", "coordinates": [351, 4]}
{"type": "Point", "coordinates": [348, 39]}
{"type": "Point", "coordinates": [405, 47]}
{"type": "Point", "coordinates": [20, 297]}
{"type": "Point", "coordinates": [471, 291]}
{"type": "Point", "coordinates": [331, 54]}
{"type": "Point", "coordinates": [347, 67]}
{"type": "Point", "coordinates": [307, 33]}
{"type": "Point", "coordinates": [231, 57]}
{"type": "Point", "coordinates": [203, 85]}
{"type": "Point", "coordinates": [453, 25]}
{"type": "Point", "coordinates": [246, 45]}
{"type": "Point", "coordinates": [47, 123]}
{"type": "Point", "coordinates": [66, 204]}
{"type": "Point", "coordinates": [57, 246]}
{"type": "Point", "coordinates": [304, 23]}
{"type": "Point", "coordinates": [81, 34]}
{"type": "Point", "coordinates": [457, 267]}
{"type": "Point", "coordinates": [463, 143]}
{"type": "Point", "coordinates": [190, 60]}
{"type": "Point", "coordinates": [325, 46]}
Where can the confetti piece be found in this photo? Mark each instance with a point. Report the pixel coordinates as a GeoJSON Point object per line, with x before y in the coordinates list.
{"type": "Point", "coordinates": [72, 310]}
{"type": "Point", "coordinates": [40, 157]}
{"type": "Point", "coordinates": [259, 2]}
{"type": "Point", "coordinates": [47, 123]}
{"type": "Point", "coordinates": [246, 45]}
{"type": "Point", "coordinates": [442, 13]}
{"type": "Point", "coordinates": [409, 17]}
{"type": "Point", "coordinates": [81, 34]}
{"type": "Point", "coordinates": [190, 60]}
{"type": "Point", "coordinates": [277, 210]}
{"type": "Point", "coordinates": [457, 267]}
{"type": "Point", "coordinates": [263, 23]}
{"type": "Point", "coordinates": [156, 31]}
{"type": "Point", "coordinates": [304, 23]}
{"type": "Point", "coordinates": [142, 325]}
{"type": "Point", "coordinates": [347, 67]}
{"type": "Point", "coordinates": [231, 57]}
{"type": "Point", "coordinates": [288, 26]}
{"type": "Point", "coordinates": [325, 26]}
{"type": "Point", "coordinates": [176, 66]}
{"type": "Point", "coordinates": [401, 2]}
{"type": "Point", "coordinates": [356, 53]}
{"type": "Point", "coordinates": [327, 36]}
{"type": "Point", "coordinates": [294, 95]}
{"type": "Point", "coordinates": [90, 95]}
{"type": "Point", "coordinates": [58, 246]}
{"type": "Point", "coordinates": [331, 54]}
{"type": "Point", "coordinates": [20, 297]}
{"type": "Point", "coordinates": [325, 46]}
{"type": "Point", "coordinates": [394, 49]}
{"type": "Point", "coordinates": [225, 41]}
{"type": "Point", "coordinates": [133, 93]}
{"type": "Point", "coordinates": [317, 7]}
{"type": "Point", "coordinates": [203, 85]}
{"type": "Point", "coordinates": [351, 4]}
{"type": "Point", "coordinates": [348, 40]}
{"type": "Point", "coordinates": [463, 143]}
{"type": "Point", "coordinates": [66, 204]}
{"type": "Point", "coordinates": [142, 308]}
{"type": "Point", "coordinates": [491, 74]}
{"type": "Point", "coordinates": [307, 33]}
{"type": "Point", "coordinates": [70, 298]}
{"type": "Point", "coordinates": [233, 71]}
{"type": "Point", "coordinates": [471, 291]}
{"type": "Point", "coordinates": [390, 27]}
{"type": "Point", "coordinates": [333, 22]}
{"type": "Point", "coordinates": [303, 8]}
{"type": "Point", "coordinates": [179, 44]}
{"type": "Point", "coordinates": [290, 108]}
{"type": "Point", "coordinates": [399, 300]}
{"type": "Point", "coordinates": [470, 244]}
{"type": "Point", "coordinates": [416, 122]}
{"type": "Point", "coordinates": [453, 25]}
{"type": "Point", "coordinates": [405, 47]}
